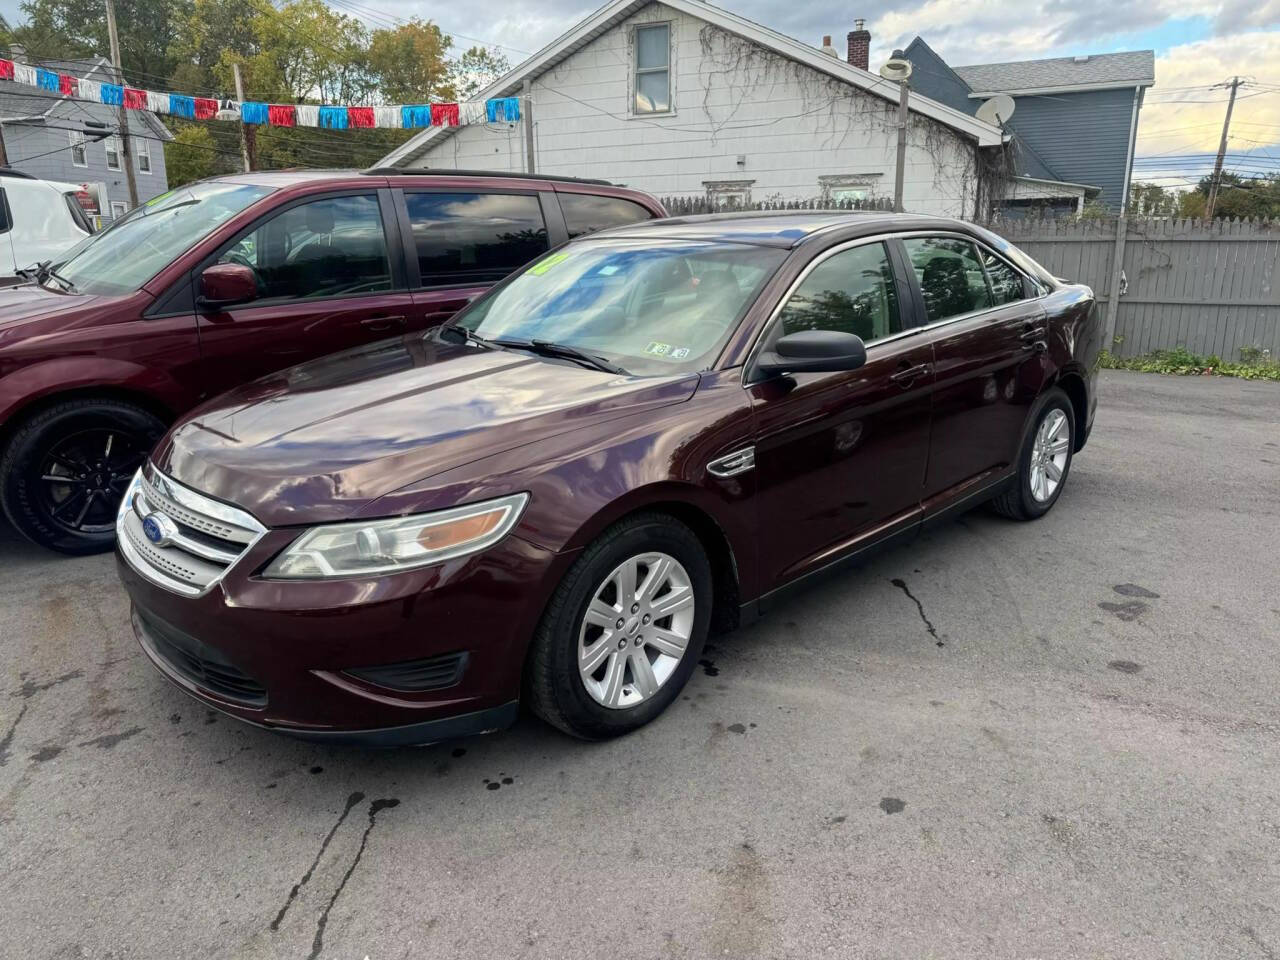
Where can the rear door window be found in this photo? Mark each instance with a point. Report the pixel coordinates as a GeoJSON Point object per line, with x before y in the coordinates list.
{"type": "Point", "coordinates": [1006, 282]}
{"type": "Point", "coordinates": [951, 276]}
{"type": "Point", "coordinates": [587, 213]}
{"type": "Point", "coordinates": [463, 238]}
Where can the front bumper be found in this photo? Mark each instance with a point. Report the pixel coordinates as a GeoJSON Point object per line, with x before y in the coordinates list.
{"type": "Point", "coordinates": [297, 656]}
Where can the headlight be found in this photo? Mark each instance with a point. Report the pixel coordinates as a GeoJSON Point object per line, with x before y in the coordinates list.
{"type": "Point", "coordinates": [389, 546]}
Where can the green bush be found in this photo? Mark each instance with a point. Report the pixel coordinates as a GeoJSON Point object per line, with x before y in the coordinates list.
{"type": "Point", "coordinates": [1254, 364]}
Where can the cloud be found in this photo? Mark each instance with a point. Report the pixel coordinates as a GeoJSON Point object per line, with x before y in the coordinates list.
{"type": "Point", "coordinates": [1177, 121]}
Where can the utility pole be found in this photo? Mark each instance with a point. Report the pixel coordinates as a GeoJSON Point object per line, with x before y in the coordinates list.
{"type": "Point", "coordinates": [4, 157]}
{"type": "Point", "coordinates": [126, 150]}
{"type": "Point", "coordinates": [248, 136]}
{"type": "Point", "coordinates": [902, 145]}
{"type": "Point", "coordinates": [528, 125]}
{"type": "Point", "coordinates": [1222, 151]}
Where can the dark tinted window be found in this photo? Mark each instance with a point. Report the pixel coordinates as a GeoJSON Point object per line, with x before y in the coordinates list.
{"type": "Point", "coordinates": [474, 237]}
{"type": "Point", "coordinates": [852, 291]}
{"type": "Point", "coordinates": [326, 248]}
{"type": "Point", "coordinates": [585, 213]}
{"type": "Point", "coordinates": [950, 274]}
{"type": "Point", "coordinates": [1006, 282]}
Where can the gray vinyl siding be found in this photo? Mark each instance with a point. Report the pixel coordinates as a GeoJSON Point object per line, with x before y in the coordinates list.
{"type": "Point", "coordinates": [1082, 137]}
{"type": "Point", "coordinates": [42, 148]}
{"type": "Point", "coordinates": [931, 77]}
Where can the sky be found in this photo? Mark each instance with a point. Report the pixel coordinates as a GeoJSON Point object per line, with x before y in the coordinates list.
{"type": "Point", "coordinates": [1198, 43]}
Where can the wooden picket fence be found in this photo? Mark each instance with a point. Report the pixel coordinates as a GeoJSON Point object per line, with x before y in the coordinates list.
{"type": "Point", "coordinates": [1210, 286]}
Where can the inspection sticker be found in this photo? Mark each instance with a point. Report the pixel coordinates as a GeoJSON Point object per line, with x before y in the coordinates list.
{"type": "Point", "coordinates": [539, 269]}
{"type": "Point", "coordinates": [658, 349]}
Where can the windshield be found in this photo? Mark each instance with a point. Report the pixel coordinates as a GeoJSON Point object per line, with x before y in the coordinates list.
{"type": "Point", "coordinates": [138, 246]}
{"type": "Point", "coordinates": [652, 307]}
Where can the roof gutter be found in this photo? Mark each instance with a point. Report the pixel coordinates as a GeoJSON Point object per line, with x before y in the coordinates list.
{"type": "Point", "coordinates": [1064, 88]}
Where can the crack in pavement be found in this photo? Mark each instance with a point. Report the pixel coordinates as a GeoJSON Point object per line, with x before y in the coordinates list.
{"type": "Point", "coordinates": [374, 808]}
{"type": "Point", "coordinates": [928, 624]}
{"type": "Point", "coordinates": [7, 742]}
{"type": "Point", "coordinates": [30, 688]}
{"type": "Point", "coordinates": [306, 877]}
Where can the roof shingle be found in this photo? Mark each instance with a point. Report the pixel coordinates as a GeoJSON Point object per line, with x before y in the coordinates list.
{"type": "Point", "coordinates": [1131, 66]}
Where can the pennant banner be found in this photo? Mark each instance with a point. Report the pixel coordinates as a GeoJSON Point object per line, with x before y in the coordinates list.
{"type": "Point", "coordinates": [330, 116]}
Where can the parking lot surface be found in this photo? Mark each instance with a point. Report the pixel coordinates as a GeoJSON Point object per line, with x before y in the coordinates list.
{"type": "Point", "coordinates": [1056, 739]}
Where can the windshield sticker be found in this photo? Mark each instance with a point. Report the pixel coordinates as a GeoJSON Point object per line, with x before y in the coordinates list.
{"type": "Point", "coordinates": [666, 350]}
{"type": "Point", "coordinates": [539, 269]}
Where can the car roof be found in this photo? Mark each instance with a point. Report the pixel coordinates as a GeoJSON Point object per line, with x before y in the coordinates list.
{"type": "Point", "coordinates": [779, 228]}
{"type": "Point", "coordinates": [300, 176]}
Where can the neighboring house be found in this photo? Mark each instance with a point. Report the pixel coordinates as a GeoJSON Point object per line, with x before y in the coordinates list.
{"type": "Point", "coordinates": [683, 98]}
{"type": "Point", "coordinates": [1074, 123]}
{"type": "Point", "coordinates": [56, 138]}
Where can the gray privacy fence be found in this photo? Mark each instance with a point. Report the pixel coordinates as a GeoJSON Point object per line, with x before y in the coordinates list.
{"type": "Point", "coordinates": [1209, 286]}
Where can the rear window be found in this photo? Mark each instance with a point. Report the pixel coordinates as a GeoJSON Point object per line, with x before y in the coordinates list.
{"type": "Point", "coordinates": [587, 213]}
{"type": "Point", "coordinates": [474, 237]}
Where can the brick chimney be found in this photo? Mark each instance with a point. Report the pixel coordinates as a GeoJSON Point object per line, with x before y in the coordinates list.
{"type": "Point", "coordinates": [828, 49]}
{"type": "Point", "coordinates": [860, 45]}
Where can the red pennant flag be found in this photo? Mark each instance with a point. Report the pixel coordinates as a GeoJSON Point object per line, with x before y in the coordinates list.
{"type": "Point", "coordinates": [67, 85]}
{"type": "Point", "coordinates": [360, 116]}
{"type": "Point", "coordinates": [135, 99]}
{"type": "Point", "coordinates": [444, 114]}
{"type": "Point", "coordinates": [282, 115]}
{"type": "Point", "coordinates": [6, 69]}
{"type": "Point", "coordinates": [205, 108]}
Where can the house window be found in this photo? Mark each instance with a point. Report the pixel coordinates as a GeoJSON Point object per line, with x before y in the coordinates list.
{"type": "Point", "coordinates": [144, 154]}
{"type": "Point", "coordinates": [79, 152]}
{"type": "Point", "coordinates": [113, 153]}
{"type": "Point", "coordinates": [728, 194]}
{"type": "Point", "coordinates": [848, 189]}
{"type": "Point", "coordinates": [653, 69]}
{"type": "Point", "coordinates": [118, 209]}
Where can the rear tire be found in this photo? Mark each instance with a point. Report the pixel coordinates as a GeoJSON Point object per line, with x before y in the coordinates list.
{"type": "Point", "coordinates": [1045, 459]}
{"type": "Point", "coordinates": [583, 675]}
{"type": "Point", "coordinates": [66, 469]}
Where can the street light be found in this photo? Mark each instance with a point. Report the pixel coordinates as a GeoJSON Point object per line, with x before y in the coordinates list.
{"type": "Point", "coordinates": [897, 69]}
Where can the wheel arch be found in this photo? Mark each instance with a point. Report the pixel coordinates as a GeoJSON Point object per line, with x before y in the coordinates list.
{"type": "Point", "coordinates": [20, 413]}
{"type": "Point", "coordinates": [690, 506]}
{"type": "Point", "coordinates": [1073, 384]}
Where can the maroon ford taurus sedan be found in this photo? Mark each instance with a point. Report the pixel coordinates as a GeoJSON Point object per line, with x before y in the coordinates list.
{"type": "Point", "coordinates": [643, 435]}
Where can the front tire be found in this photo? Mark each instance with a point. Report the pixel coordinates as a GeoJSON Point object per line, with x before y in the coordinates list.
{"type": "Point", "coordinates": [66, 468]}
{"type": "Point", "coordinates": [1045, 459]}
{"type": "Point", "coordinates": [623, 631]}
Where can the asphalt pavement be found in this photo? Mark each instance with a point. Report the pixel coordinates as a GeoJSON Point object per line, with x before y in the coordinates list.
{"type": "Point", "coordinates": [1056, 739]}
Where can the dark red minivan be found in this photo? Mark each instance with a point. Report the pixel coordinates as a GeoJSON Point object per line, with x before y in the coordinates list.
{"type": "Point", "coordinates": [649, 431]}
{"type": "Point", "coordinates": [222, 281]}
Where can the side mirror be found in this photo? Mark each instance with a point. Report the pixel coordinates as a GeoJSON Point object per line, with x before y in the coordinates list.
{"type": "Point", "coordinates": [814, 351]}
{"type": "Point", "coordinates": [226, 284]}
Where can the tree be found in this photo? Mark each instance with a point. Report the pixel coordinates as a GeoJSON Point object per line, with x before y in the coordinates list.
{"type": "Point", "coordinates": [1151, 200]}
{"type": "Point", "coordinates": [58, 29]}
{"type": "Point", "coordinates": [307, 51]}
{"type": "Point", "coordinates": [476, 69]}
{"type": "Point", "coordinates": [191, 155]}
{"type": "Point", "coordinates": [409, 63]}
{"type": "Point", "coordinates": [1240, 196]}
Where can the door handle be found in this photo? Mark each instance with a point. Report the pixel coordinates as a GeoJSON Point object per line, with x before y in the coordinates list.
{"type": "Point", "coordinates": [381, 324]}
{"type": "Point", "coordinates": [1033, 338]}
{"type": "Point", "coordinates": [907, 375]}
{"type": "Point", "coordinates": [1032, 333]}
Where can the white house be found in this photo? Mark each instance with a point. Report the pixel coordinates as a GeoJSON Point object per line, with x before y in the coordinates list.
{"type": "Point", "coordinates": [682, 98]}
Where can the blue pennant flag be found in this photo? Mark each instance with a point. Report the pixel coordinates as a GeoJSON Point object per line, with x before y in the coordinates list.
{"type": "Point", "coordinates": [113, 94]}
{"type": "Point", "coordinates": [502, 109]}
{"type": "Point", "coordinates": [48, 79]}
{"type": "Point", "coordinates": [251, 111]}
{"type": "Point", "coordinates": [181, 106]}
{"type": "Point", "coordinates": [335, 118]}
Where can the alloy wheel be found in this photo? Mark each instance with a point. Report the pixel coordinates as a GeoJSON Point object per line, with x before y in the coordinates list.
{"type": "Point", "coordinates": [636, 630]}
{"type": "Point", "coordinates": [83, 476]}
{"type": "Point", "coordinates": [1049, 455]}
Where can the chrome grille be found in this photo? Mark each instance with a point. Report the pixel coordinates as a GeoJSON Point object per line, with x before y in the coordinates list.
{"type": "Point", "coordinates": [200, 538]}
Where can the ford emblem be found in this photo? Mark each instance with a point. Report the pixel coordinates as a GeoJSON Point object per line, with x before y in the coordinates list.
{"type": "Point", "coordinates": [159, 529]}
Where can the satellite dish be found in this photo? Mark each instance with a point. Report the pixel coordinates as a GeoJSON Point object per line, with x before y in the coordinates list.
{"type": "Point", "coordinates": [997, 110]}
{"type": "Point", "coordinates": [897, 68]}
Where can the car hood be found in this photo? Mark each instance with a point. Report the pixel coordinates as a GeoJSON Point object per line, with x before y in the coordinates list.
{"type": "Point", "coordinates": [27, 301]}
{"type": "Point", "coordinates": [315, 443]}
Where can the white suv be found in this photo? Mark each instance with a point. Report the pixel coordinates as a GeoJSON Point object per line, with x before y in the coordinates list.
{"type": "Point", "coordinates": [39, 220]}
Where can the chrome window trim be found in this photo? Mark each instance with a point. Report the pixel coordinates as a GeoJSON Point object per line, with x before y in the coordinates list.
{"type": "Point", "coordinates": [758, 343]}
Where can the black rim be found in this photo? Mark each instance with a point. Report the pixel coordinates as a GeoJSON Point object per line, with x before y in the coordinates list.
{"type": "Point", "coordinates": [83, 475]}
